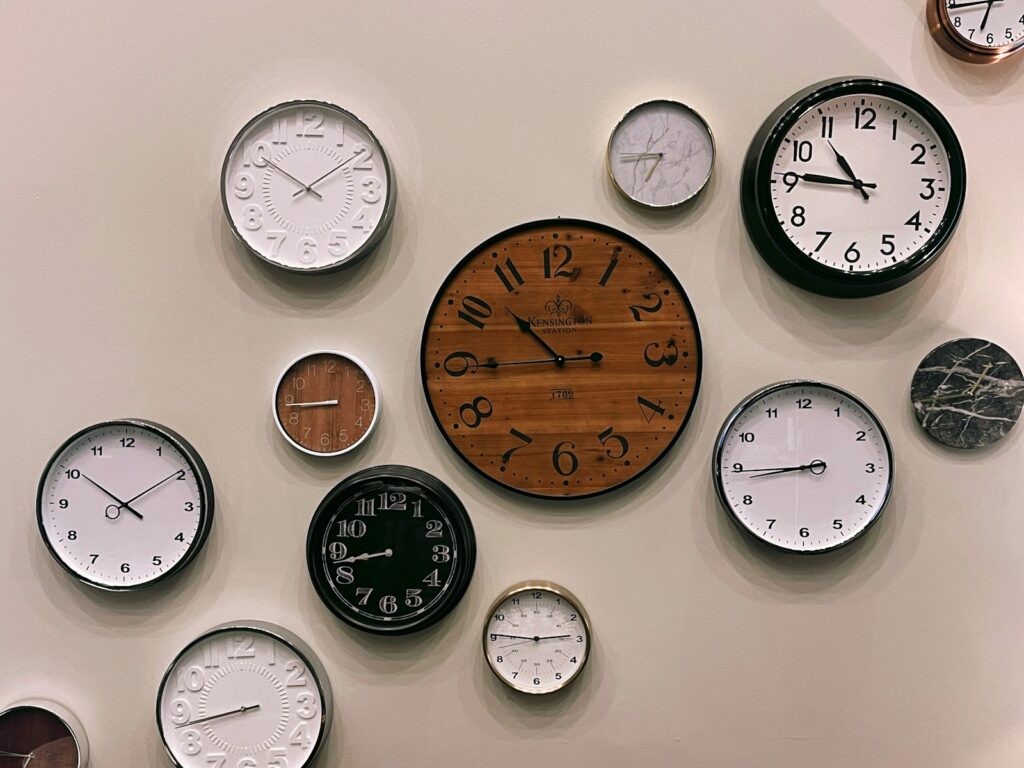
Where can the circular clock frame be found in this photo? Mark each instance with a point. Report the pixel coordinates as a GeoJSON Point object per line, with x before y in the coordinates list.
{"type": "Point", "coordinates": [944, 31]}
{"type": "Point", "coordinates": [67, 720]}
{"type": "Point", "coordinates": [743, 407]}
{"type": "Point", "coordinates": [203, 482]}
{"type": "Point", "coordinates": [378, 152]}
{"type": "Point", "coordinates": [771, 240]}
{"type": "Point", "coordinates": [278, 634]}
{"type": "Point", "coordinates": [377, 403]}
{"type": "Point", "coordinates": [662, 283]}
{"type": "Point", "coordinates": [385, 478]}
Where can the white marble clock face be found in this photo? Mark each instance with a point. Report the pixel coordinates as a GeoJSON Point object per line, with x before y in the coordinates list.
{"type": "Point", "coordinates": [240, 698]}
{"type": "Point", "coordinates": [661, 154]}
{"type": "Point", "coordinates": [860, 183]}
{"type": "Point", "coordinates": [120, 506]}
{"type": "Point", "coordinates": [537, 640]}
{"type": "Point", "coordinates": [804, 467]}
{"type": "Point", "coordinates": [306, 186]}
{"type": "Point", "coordinates": [995, 24]}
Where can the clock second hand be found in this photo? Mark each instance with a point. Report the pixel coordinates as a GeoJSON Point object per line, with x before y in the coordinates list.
{"type": "Point", "coordinates": [594, 357]}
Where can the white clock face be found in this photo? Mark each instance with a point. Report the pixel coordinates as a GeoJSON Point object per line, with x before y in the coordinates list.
{"type": "Point", "coordinates": [661, 154]}
{"type": "Point", "coordinates": [121, 506]}
{"type": "Point", "coordinates": [996, 24]}
{"type": "Point", "coordinates": [307, 186]}
{"type": "Point", "coordinates": [241, 698]}
{"type": "Point", "coordinates": [804, 467]}
{"type": "Point", "coordinates": [537, 639]}
{"type": "Point", "coordinates": [860, 183]}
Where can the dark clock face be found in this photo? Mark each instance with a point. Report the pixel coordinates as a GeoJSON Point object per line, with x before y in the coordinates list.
{"type": "Point", "coordinates": [561, 359]}
{"type": "Point", "coordinates": [968, 393]}
{"type": "Point", "coordinates": [855, 188]}
{"type": "Point", "coordinates": [33, 736]}
{"type": "Point", "coordinates": [390, 550]}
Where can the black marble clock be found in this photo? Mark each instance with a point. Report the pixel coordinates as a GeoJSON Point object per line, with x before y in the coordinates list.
{"type": "Point", "coordinates": [968, 393]}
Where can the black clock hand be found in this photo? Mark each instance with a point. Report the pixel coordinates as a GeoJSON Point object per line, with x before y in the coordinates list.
{"type": "Point", "coordinates": [817, 467]}
{"type": "Point", "coordinates": [305, 188]}
{"type": "Point", "coordinates": [819, 179]}
{"type": "Point", "coordinates": [968, 5]}
{"type": "Point", "coordinates": [848, 170]}
{"type": "Point", "coordinates": [535, 638]}
{"type": "Point", "coordinates": [524, 326]}
{"type": "Point", "coordinates": [594, 357]}
{"type": "Point", "coordinates": [335, 168]}
{"type": "Point", "coordinates": [120, 504]}
{"type": "Point", "coordinates": [240, 710]}
{"type": "Point", "coordinates": [140, 495]}
{"type": "Point", "coordinates": [988, 10]}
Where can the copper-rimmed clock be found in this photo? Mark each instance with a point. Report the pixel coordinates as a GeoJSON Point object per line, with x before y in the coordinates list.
{"type": "Point", "coordinates": [561, 358]}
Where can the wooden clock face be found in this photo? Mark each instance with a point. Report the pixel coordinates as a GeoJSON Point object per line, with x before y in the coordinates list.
{"type": "Point", "coordinates": [561, 358]}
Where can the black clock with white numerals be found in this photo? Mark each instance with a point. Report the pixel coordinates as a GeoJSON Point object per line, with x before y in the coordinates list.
{"type": "Point", "coordinates": [853, 187]}
{"type": "Point", "coordinates": [391, 550]}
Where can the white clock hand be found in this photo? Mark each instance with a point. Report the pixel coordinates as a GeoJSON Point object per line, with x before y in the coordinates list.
{"type": "Point", "coordinates": [367, 556]}
{"type": "Point", "coordinates": [312, 405]}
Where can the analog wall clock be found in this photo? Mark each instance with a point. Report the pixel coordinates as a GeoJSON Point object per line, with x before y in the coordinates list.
{"type": "Point", "coordinates": [246, 694]}
{"type": "Point", "coordinates": [803, 466]}
{"type": "Point", "coordinates": [124, 504]}
{"type": "Point", "coordinates": [537, 637]}
{"type": "Point", "coordinates": [390, 550]}
{"type": "Point", "coordinates": [978, 31]}
{"type": "Point", "coordinates": [660, 154]}
{"type": "Point", "coordinates": [307, 187]}
{"type": "Point", "coordinates": [561, 358]}
{"type": "Point", "coordinates": [42, 734]}
{"type": "Point", "coordinates": [968, 393]}
{"type": "Point", "coordinates": [853, 187]}
{"type": "Point", "coordinates": [326, 403]}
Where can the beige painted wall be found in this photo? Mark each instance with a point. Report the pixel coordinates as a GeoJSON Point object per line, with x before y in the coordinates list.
{"type": "Point", "coordinates": [125, 295]}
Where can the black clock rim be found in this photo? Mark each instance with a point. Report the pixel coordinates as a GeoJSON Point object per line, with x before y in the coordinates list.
{"type": "Point", "coordinates": [280, 634]}
{"type": "Point", "coordinates": [199, 469]}
{"type": "Point", "coordinates": [742, 407]}
{"type": "Point", "coordinates": [443, 496]}
{"type": "Point", "coordinates": [371, 243]}
{"type": "Point", "coordinates": [782, 254]}
{"type": "Point", "coordinates": [647, 252]}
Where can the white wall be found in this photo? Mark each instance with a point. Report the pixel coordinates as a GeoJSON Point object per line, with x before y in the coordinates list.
{"type": "Point", "coordinates": [125, 295]}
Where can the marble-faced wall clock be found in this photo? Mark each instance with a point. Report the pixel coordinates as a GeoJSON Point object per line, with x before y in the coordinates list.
{"type": "Point", "coordinates": [42, 734]}
{"type": "Point", "coordinates": [245, 694]}
{"type": "Point", "coordinates": [853, 187]}
{"type": "Point", "coordinates": [978, 31]}
{"type": "Point", "coordinates": [124, 504]}
{"type": "Point", "coordinates": [561, 358]}
{"type": "Point", "coordinates": [390, 550]}
{"type": "Point", "coordinates": [968, 393]}
{"type": "Point", "coordinates": [802, 466]}
{"type": "Point", "coordinates": [660, 154]}
{"type": "Point", "coordinates": [307, 187]}
{"type": "Point", "coordinates": [326, 403]}
{"type": "Point", "coordinates": [537, 637]}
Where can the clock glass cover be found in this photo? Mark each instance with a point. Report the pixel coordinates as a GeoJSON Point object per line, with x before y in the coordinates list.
{"type": "Point", "coordinates": [561, 358]}
{"type": "Point", "coordinates": [307, 187]}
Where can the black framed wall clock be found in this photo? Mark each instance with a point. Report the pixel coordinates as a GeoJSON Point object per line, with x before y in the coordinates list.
{"type": "Point", "coordinates": [853, 187]}
{"type": "Point", "coordinates": [561, 358]}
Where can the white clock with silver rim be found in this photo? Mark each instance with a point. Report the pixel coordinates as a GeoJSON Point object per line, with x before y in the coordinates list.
{"type": "Point", "coordinates": [803, 466]}
{"type": "Point", "coordinates": [307, 187]}
{"type": "Point", "coordinates": [245, 694]}
{"type": "Point", "coordinates": [124, 504]}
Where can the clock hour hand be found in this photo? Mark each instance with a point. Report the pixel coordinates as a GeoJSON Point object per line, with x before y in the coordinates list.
{"type": "Point", "coordinates": [305, 187]}
{"type": "Point", "coordinates": [120, 504]}
{"type": "Point", "coordinates": [367, 556]}
{"type": "Point", "coordinates": [845, 165]}
{"type": "Point", "coordinates": [968, 5]}
{"type": "Point", "coordinates": [535, 638]}
{"type": "Point", "coordinates": [988, 10]}
{"type": "Point", "coordinates": [317, 404]}
{"type": "Point", "coordinates": [524, 326]}
{"type": "Point", "coordinates": [594, 357]}
{"type": "Point", "coordinates": [816, 467]}
{"type": "Point", "coordinates": [239, 711]}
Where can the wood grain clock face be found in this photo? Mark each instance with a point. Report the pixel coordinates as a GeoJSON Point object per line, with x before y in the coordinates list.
{"type": "Point", "coordinates": [561, 358]}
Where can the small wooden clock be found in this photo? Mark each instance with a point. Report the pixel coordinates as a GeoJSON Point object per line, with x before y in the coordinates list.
{"type": "Point", "coordinates": [42, 734]}
{"type": "Point", "coordinates": [561, 358]}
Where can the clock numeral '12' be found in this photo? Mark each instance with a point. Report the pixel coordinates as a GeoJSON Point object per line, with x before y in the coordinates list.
{"type": "Point", "coordinates": [552, 253]}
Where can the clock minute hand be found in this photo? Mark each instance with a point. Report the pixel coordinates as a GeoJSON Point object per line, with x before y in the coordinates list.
{"type": "Point", "coordinates": [156, 485]}
{"type": "Point", "coordinates": [816, 467]}
{"type": "Point", "coordinates": [845, 165]}
{"type": "Point", "coordinates": [594, 357]}
{"type": "Point", "coordinates": [988, 10]}
{"type": "Point", "coordinates": [313, 183]}
{"type": "Point", "coordinates": [819, 179]}
{"type": "Point", "coordinates": [120, 504]}
{"type": "Point", "coordinates": [305, 187]}
{"type": "Point", "coordinates": [239, 711]}
{"type": "Point", "coordinates": [968, 5]}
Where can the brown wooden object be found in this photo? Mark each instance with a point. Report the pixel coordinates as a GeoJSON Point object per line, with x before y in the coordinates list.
{"type": "Point", "coordinates": [36, 732]}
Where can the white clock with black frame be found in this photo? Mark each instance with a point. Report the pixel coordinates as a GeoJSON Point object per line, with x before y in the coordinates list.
{"type": "Point", "coordinates": [307, 187]}
{"type": "Point", "coordinates": [853, 187]}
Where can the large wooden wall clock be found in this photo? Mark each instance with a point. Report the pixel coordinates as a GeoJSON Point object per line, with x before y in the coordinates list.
{"type": "Point", "coordinates": [561, 358]}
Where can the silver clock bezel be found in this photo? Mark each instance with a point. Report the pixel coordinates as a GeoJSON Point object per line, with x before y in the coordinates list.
{"type": "Point", "coordinates": [744, 405]}
{"type": "Point", "coordinates": [282, 635]}
{"type": "Point", "coordinates": [386, 218]}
